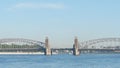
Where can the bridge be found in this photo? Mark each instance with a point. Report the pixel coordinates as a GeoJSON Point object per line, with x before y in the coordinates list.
{"type": "Point", "coordinates": [24, 45]}
{"type": "Point", "coordinates": [27, 45]}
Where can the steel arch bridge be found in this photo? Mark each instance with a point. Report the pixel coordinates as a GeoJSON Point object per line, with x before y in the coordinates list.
{"type": "Point", "coordinates": [94, 42]}
{"type": "Point", "coordinates": [22, 40]}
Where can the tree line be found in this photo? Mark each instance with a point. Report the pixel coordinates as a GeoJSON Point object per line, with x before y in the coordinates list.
{"type": "Point", "coordinates": [18, 46]}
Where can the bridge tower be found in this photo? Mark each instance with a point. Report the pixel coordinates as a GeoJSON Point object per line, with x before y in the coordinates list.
{"type": "Point", "coordinates": [47, 47]}
{"type": "Point", "coordinates": [76, 47]}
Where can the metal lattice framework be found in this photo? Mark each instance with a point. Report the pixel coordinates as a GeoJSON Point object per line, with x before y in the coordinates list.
{"type": "Point", "coordinates": [21, 40]}
{"type": "Point", "coordinates": [97, 41]}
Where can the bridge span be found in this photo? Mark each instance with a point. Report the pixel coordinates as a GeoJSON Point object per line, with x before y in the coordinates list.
{"type": "Point", "coordinates": [24, 45]}
{"type": "Point", "coordinates": [83, 51]}
{"type": "Point", "coordinates": [90, 46]}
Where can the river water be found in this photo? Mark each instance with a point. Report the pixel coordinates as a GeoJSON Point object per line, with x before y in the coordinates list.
{"type": "Point", "coordinates": [60, 61]}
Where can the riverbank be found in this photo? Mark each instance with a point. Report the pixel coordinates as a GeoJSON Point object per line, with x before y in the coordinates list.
{"type": "Point", "coordinates": [21, 53]}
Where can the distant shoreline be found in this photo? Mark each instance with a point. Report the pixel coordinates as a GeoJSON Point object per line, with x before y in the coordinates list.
{"type": "Point", "coordinates": [7, 53]}
{"type": "Point", "coordinates": [23, 53]}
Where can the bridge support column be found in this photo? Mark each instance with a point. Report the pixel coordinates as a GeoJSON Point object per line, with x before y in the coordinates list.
{"type": "Point", "coordinates": [47, 47]}
{"type": "Point", "coordinates": [76, 47]}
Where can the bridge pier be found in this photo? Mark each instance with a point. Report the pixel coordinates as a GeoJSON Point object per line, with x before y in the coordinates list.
{"type": "Point", "coordinates": [47, 47]}
{"type": "Point", "coordinates": [76, 47]}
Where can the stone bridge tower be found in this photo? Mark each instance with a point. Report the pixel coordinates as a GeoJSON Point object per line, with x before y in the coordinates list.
{"type": "Point", "coordinates": [47, 47]}
{"type": "Point", "coordinates": [76, 47]}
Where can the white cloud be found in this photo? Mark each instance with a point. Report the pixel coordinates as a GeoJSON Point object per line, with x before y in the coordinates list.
{"type": "Point", "coordinates": [38, 6]}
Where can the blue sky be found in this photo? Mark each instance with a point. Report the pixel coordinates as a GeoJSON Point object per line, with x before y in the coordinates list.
{"type": "Point", "coordinates": [60, 20]}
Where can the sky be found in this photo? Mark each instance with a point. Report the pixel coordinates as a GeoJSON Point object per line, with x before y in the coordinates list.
{"type": "Point", "coordinates": [59, 20]}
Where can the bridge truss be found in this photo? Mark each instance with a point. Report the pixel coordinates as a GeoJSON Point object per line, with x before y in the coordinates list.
{"type": "Point", "coordinates": [20, 44]}
{"type": "Point", "coordinates": [103, 43]}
